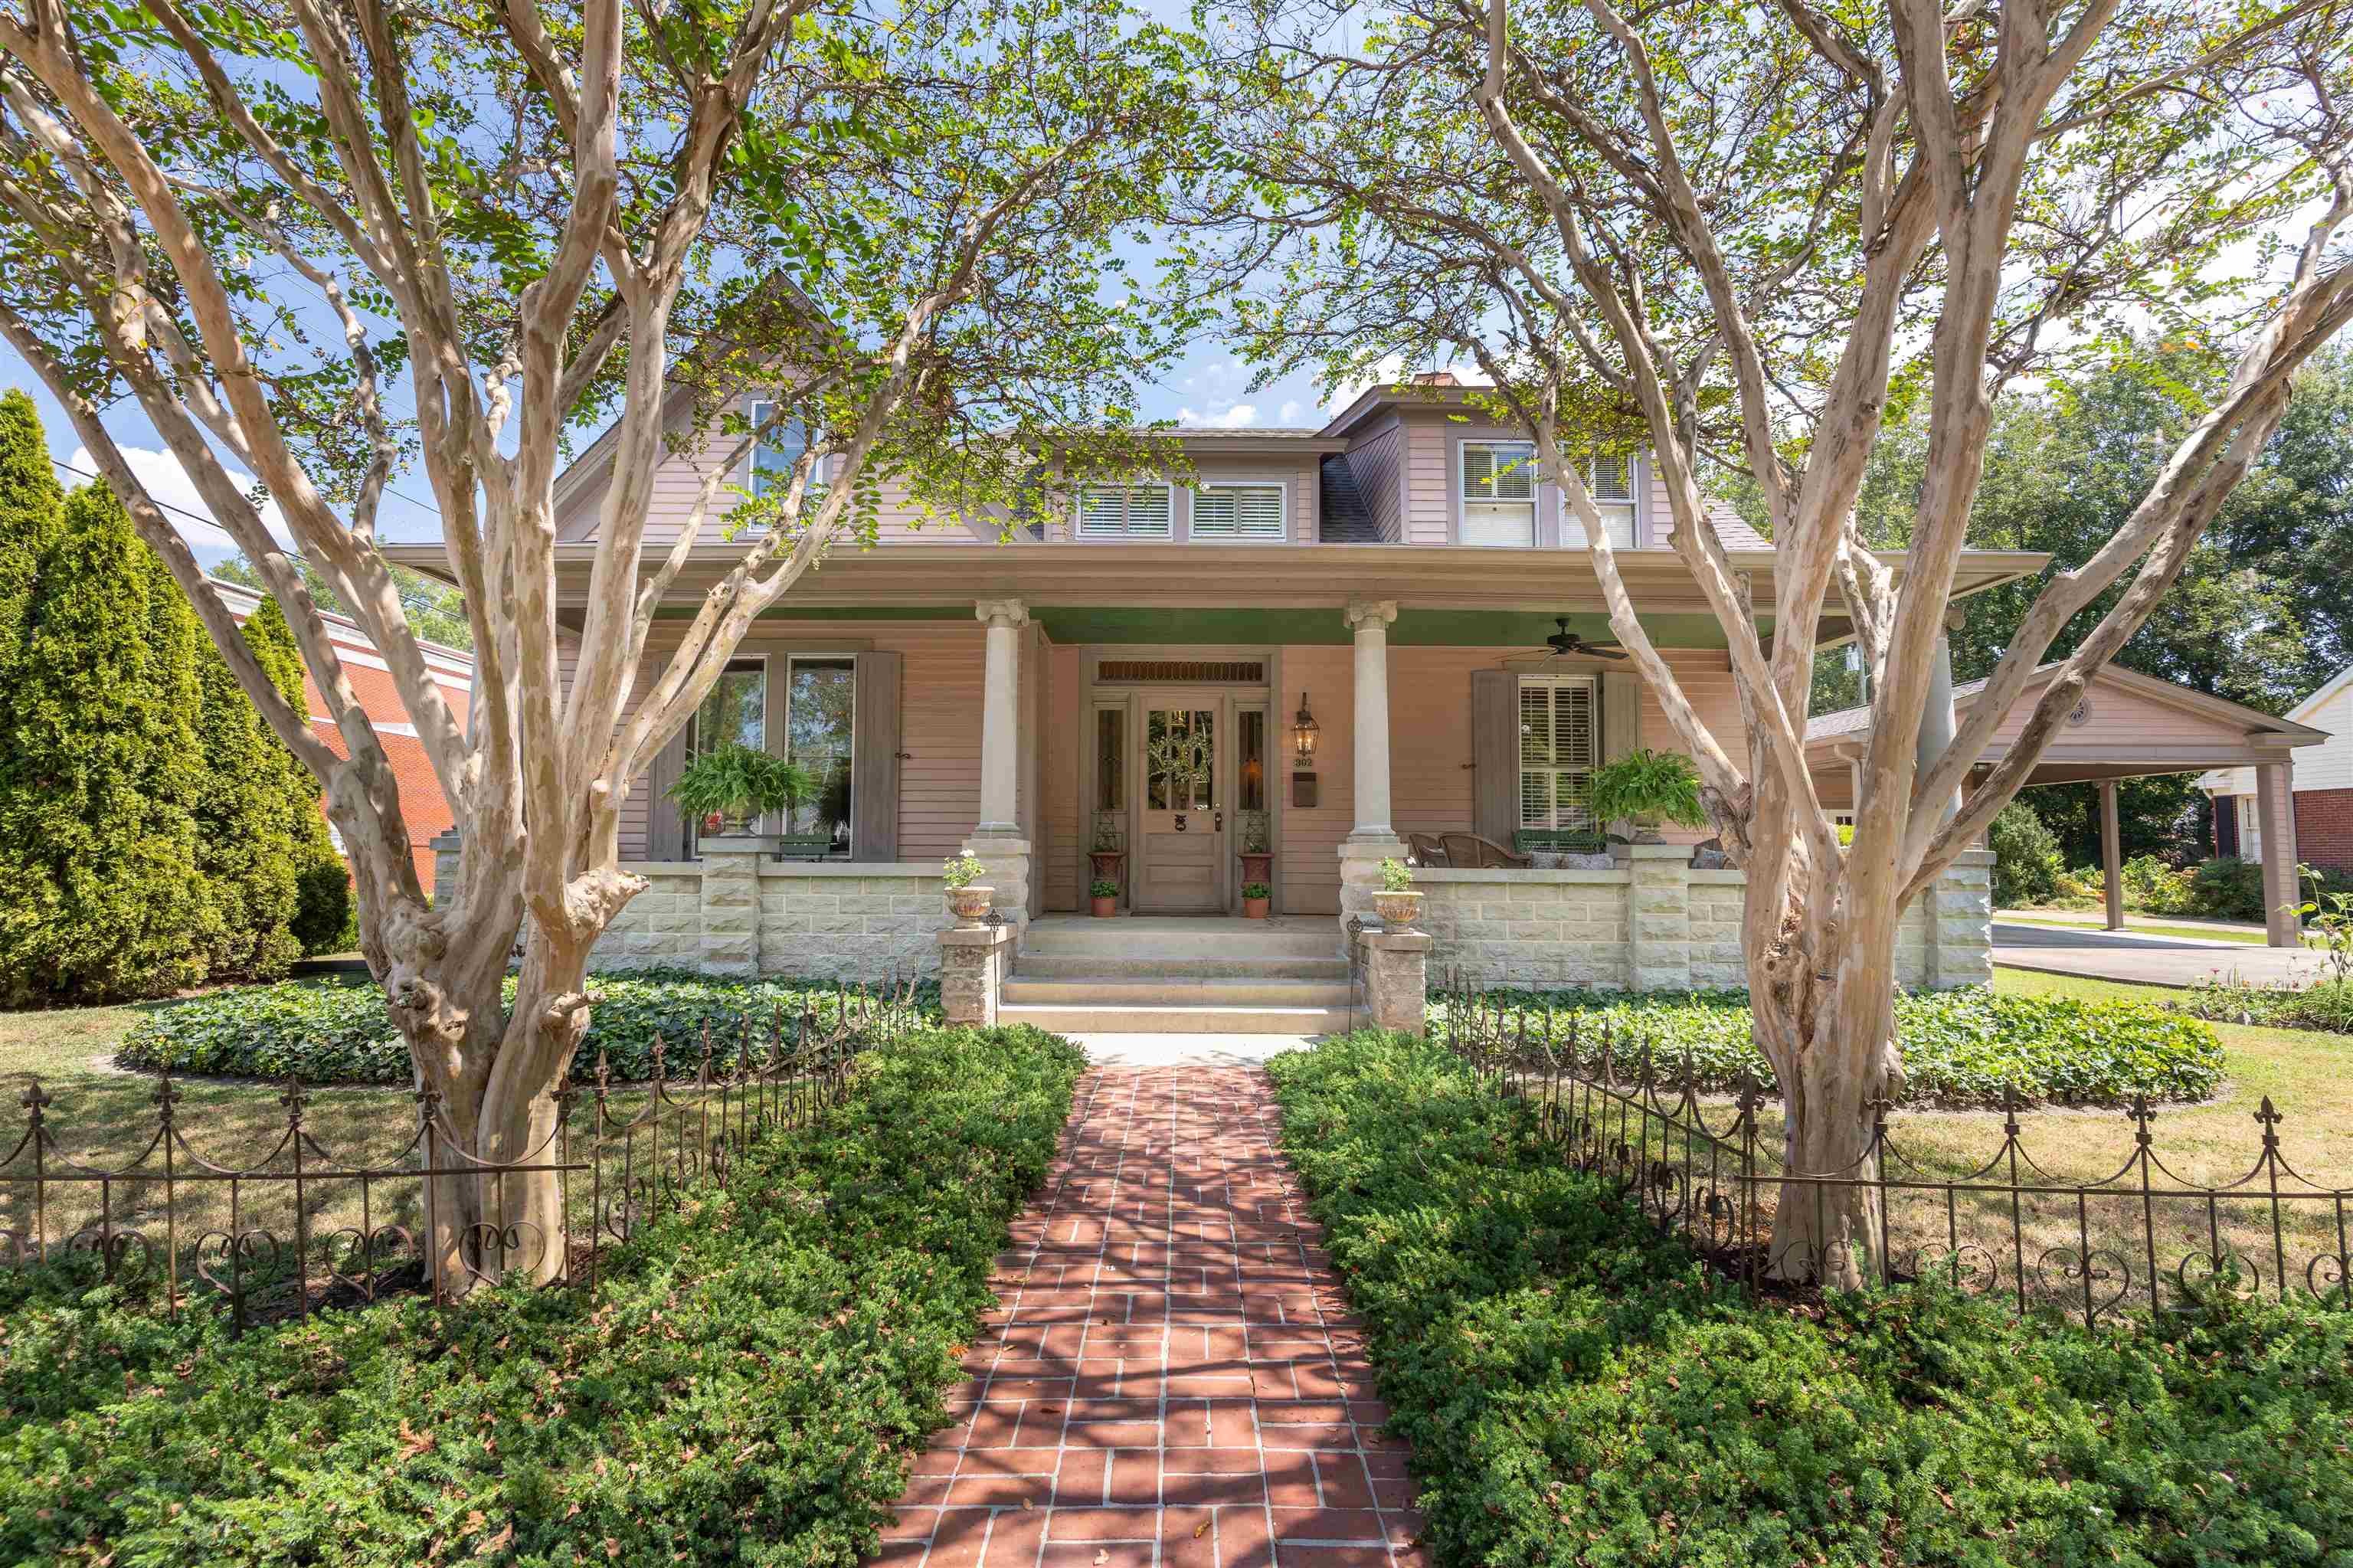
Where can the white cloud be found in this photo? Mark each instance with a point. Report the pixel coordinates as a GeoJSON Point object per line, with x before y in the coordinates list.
{"type": "Point", "coordinates": [1290, 412]}
{"type": "Point", "coordinates": [1220, 417]}
{"type": "Point", "coordinates": [1390, 368]}
{"type": "Point", "coordinates": [168, 485]}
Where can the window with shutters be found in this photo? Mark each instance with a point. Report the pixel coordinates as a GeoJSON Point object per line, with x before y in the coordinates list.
{"type": "Point", "coordinates": [1124, 512]}
{"type": "Point", "coordinates": [1498, 497]}
{"type": "Point", "coordinates": [1560, 728]}
{"type": "Point", "coordinates": [1610, 481]}
{"type": "Point", "coordinates": [1242, 512]}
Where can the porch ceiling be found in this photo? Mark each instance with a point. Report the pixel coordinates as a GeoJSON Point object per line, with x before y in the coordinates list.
{"type": "Point", "coordinates": [1190, 593]}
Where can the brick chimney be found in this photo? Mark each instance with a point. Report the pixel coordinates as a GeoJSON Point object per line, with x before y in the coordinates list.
{"type": "Point", "coordinates": [1435, 378]}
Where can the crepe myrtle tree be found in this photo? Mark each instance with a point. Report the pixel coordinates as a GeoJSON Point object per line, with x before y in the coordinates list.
{"type": "Point", "coordinates": [1738, 235]}
{"type": "Point", "coordinates": [338, 245]}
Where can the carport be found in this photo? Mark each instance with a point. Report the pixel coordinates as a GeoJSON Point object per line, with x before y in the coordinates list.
{"type": "Point", "coordinates": [2127, 726]}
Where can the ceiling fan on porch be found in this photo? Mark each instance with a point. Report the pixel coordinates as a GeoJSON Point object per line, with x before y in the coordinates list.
{"type": "Point", "coordinates": [1563, 643]}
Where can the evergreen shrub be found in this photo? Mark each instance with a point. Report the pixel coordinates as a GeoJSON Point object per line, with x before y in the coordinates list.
{"type": "Point", "coordinates": [1576, 1390]}
{"type": "Point", "coordinates": [329, 1033]}
{"type": "Point", "coordinates": [745, 1385]}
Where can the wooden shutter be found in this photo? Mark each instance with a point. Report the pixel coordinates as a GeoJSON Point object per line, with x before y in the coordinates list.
{"type": "Point", "coordinates": [874, 765]}
{"type": "Point", "coordinates": [665, 823]}
{"type": "Point", "coordinates": [1494, 755]}
{"type": "Point", "coordinates": [1237, 511]}
{"type": "Point", "coordinates": [1621, 714]}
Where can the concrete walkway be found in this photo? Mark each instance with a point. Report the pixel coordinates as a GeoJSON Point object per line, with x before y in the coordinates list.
{"type": "Point", "coordinates": [1173, 1377]}
{"type": "Point", "coordinates": [2146, 960]}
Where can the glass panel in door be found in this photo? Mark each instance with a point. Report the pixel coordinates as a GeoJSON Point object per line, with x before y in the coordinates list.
{"type": "Point", "coordinates": [1182, 851]}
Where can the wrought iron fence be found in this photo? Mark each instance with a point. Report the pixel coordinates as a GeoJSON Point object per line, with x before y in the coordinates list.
{"type": "Point", "coordinates": [301, 1226]}
{"type": "Point", "coordinates": [1706, 1164]}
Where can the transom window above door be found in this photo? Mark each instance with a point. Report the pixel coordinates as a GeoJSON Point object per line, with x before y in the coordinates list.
{"type": "Point", "coordinates": [1224, 510]}
{"type": "Point", "coordinates": [1610, 481]}
{"type": "Point", "coordinates": [1125, 511]}
{"type": "Point", "coordinates": [1498, 494]}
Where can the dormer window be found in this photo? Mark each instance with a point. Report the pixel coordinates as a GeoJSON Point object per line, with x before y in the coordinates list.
{"type": "Point", "coordinates": [1498, 493]}
{"type": "Point", "coordinates": [1125, 511]}
{"type": "Point", "coordinates": [1243, 512]}
{"type": "Point", "coordinates": [1610, 481]}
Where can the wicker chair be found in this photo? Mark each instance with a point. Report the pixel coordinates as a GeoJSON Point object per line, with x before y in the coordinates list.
{"type": "Point", "coordinates": [1426, 850]}
{"type": "Point", "coordinates": [1470, 851]}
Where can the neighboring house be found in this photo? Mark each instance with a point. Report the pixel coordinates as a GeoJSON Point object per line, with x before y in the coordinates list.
{"type": "Point", "coordinates": [2321, 790]}
{"type": "Point", "coordinates": [1393, 572]}
{"type": "Point", "coordinates": [422, 803]}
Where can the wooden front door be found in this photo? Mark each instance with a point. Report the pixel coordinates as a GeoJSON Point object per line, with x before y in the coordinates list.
{"type": "Point", "coordinates": [1183, 854]}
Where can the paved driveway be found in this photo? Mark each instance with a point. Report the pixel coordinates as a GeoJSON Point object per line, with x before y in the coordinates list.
{"type": "Point", "coordinates": [2149, 960]}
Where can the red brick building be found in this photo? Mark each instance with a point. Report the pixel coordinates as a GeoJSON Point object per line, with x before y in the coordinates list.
{"type": "Point", "coordinates": [2322, 788]}
{"type": "Point", "coordinates": [421, 800]}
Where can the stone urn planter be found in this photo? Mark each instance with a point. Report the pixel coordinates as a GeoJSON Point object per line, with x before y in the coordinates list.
{"type": "Point", "coordinates": [1257, 867]}
{"type": "Point", "coordinates": [970, 904]}
{"type": "Point", "coordinates": [1103, 865]}
{"type": "Point", "coordinates": [1397, 910]}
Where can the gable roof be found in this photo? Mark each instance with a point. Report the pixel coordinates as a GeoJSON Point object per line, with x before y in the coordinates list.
{"type": "Point", "coordinates": [1848, 722]}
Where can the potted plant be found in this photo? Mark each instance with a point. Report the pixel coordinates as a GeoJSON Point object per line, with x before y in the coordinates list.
{"type": "Point", "coordinates": [1103, 896]}
{"type": "Point", "coordinates": [1258, 860]}
{"type": "Point", "coordinates": [1646, 788]}
{"type": "Point", "coordinates": [1396, 901]}
{"type": "Point", "coordinates": [729, 785]}
{"type": "Point", "coordinates": [968, 897]}
{"type": "Point", "coordinates": [1255, 898]}
{"type": "Point", "coordinates": [1104, 855]}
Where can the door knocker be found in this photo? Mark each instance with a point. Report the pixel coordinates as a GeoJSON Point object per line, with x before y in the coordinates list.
{"type": "Point", "coordinates": [1180, 821]}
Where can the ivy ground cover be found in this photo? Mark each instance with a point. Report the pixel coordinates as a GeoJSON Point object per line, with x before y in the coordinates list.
{"type": "Point", "coordinates": [745, 1387]}
{"type": "Point", "coordinates": [1961, 1048]}
{"type": "Point", "coordinates": [1573, 1394]}
{"type": "Point", "coordinates": [335, 1033]}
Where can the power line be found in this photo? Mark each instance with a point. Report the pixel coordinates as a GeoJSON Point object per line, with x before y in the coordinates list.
{"type": "Point", "coordinates": [206, 518]}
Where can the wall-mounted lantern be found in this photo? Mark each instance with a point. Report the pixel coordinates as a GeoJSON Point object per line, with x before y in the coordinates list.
{"type": "Point", "coordinates": [1303, 730]}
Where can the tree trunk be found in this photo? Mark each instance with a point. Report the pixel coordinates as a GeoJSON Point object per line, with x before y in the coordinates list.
{"type": "Point", "coordinates": [1827, 1025]}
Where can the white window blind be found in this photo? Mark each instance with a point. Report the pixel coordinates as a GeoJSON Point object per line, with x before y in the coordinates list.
{"type": "Point", "coordinates": [1124, 512]}
{"type": "Point", "coordinates": [1237, 511]}
{"type": "Point", "coordinates": [1499, 492]}
{"type": "Point", "coordinates": [1560, 736]}
{"type": "Point", "coordinates": [1610, 481]}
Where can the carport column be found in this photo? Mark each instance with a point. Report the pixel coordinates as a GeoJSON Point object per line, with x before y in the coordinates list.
{"type": "Point", "coordinates": [2275, 810]}
{"type": "Point", "coordinates": [2112, 863]}
{"type": "Point", "coordinates": [997, 837]}
{"type": "Point", "coordinates": [1374, 838]}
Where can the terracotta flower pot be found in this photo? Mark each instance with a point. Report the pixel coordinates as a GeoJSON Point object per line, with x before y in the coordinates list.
{"type": "Point", "coordinates": [970, 904]}
{"type": "Point", "coordinates": [1257, 867]}
{"type": "Point", "coordinates": [1397, 910]}
{"type": "Point", "coordinates": [1103, 908]}
{"type": "Point", "coordinates": [1255, 908]}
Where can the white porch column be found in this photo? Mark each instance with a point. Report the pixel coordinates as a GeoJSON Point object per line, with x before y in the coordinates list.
{"type": "Point", "coordinates": [1374, 837]}
{"type": "Point", "coordinates": [1000, 715]}
{"type": "Point", "coordinates": [2275, 810]}
{"type": "Point", "coordinates": [1936, 733]}
{"type": "Point", "coordinates": [2112, 858]}
{"type": "Point", "coordinates": [996, 840]}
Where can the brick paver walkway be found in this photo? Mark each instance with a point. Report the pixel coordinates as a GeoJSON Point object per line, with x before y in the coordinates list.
{"type": "Point", "coordinates": [1171, 1376]}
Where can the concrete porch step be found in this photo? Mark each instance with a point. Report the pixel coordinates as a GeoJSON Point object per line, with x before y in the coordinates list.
{"type": "Point", "coordinates": [1096, 1018]}
{"type": "Point", "coordinates": [1048, 965]}
{"type": "Point", "coordinates": [1251, 990]}
{"type": "Point", "coordinates": [1166, 937]}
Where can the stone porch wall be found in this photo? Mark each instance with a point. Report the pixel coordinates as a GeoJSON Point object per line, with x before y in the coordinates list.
{"type": "Point", "coordinates": [1653, 923]}
{"type": "Point", "coordinates": [746, 915]}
